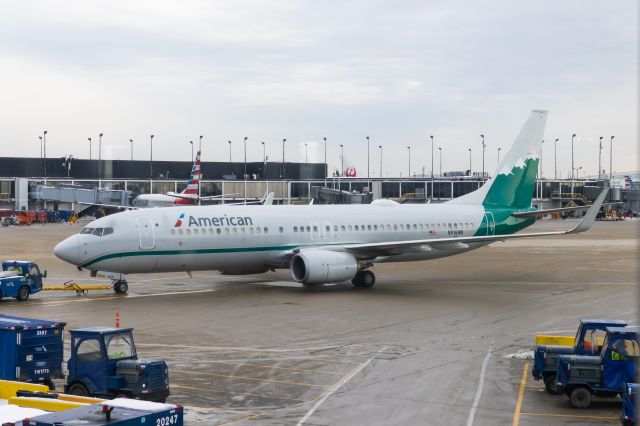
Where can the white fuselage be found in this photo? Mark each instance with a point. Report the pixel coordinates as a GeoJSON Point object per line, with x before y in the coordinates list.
{"type": "Point", "coordinates": [257, 238]}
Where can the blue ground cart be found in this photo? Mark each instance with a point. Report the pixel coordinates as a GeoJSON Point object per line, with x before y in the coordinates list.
{"type": "Point", "coordinates": [31, 349]}
{"type": "Point", "coordinates": [19, 279]}
{"type": "Point", "coordinates": [104, 363]}
{"type": "Point", "coordinates": [112, 415]}
{"type": "Point", "coordinates": [582, 376]}
{"type": "Point", "coordinates": [588, 341]}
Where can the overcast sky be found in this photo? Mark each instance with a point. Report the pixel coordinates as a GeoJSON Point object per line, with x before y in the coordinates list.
{"type": "Point", "coordinates": [396, 71]}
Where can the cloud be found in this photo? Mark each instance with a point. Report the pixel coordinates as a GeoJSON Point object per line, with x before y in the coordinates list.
{"type": "Point", "coordinates": [396, 72]}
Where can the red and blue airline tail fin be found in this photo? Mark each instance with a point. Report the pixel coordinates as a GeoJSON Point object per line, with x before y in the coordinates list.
{"type": "Point", "coordinates": [629, 183]}
{"type": "Point", "coordinates": [192, 189]}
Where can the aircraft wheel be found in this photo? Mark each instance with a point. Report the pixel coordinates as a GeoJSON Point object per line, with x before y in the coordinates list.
{"type": "Point", "coordinates": [551, 385]}
{"type": "Point", "coordinates": [121, 287]}
{"type": "Point", "coordinates": [364, 279]}
{"type": "Point", "coordinates": [580, 397]}
{"type": "Point", "coordinates": [78, 389]}
{"type": "Point", "coordinates": [23, 293]}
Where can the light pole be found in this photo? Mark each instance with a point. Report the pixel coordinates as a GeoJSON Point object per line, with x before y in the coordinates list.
{"type": "Point", "coordinates": [41, 157]}
{"type": "Point", "coordinates": [431, 156]}
{"type": "Point", "coordinates": [600, 158]}
{"type": "Point", "coordinates": [578, 172]}
{"type": "Point", "coordinates": [131, 143]}
{"type": "Point", "coordinates": [283, 168]}
{"type": "Point", "coordinates": [380, 146]}
{"type": "Point", "coordinates": [483, 147]}
{"type": "Point", "coordinates": [306, 153]}
{"type": "Point", "coordinates": [610, 159]}
{"type": "Point", "coordinates": [229, 152]}
{"type": "Point", "coordinates": [572, 166]}
{"type": "Point", "coordinates": [44, 152]}
{"type": "Point", "coordinates": [409, 150]}
{"type": "Point", "coordinates": [469, 161]}
{"type": "Point", "coordinates": [245, 158]}
{"type": "Point", "coordinates": [325, 162]}
{"type": "Point", "coordinates": [264, 159]}
{"type": "Point", "coordinates": [368, 181]}
{"type": "Point", "coordinates": [555, 158]}
{"type": "Point", "coordinates": [100, 147]}
{"type": "Point", "coordinates": [499, 149]}
{"type": "Point", "coordinates": [440, 149]}
{"type": "Point", "coordinates": [200, 143]}
{"type": "Point", "coordinates": [541, 172]}
{"type": "Point", "coordinates": [191, 142]}
{"type": "Point", "coordinates": [151, 158]}
{"type": "Point", "coordinates": [245, 169]}
{"type": "Point", "coordinates": [341, 159]}
{"type": "Point", "coordinates": [100, 155]}
{"type": "Point", "coordinates": [89, 147]}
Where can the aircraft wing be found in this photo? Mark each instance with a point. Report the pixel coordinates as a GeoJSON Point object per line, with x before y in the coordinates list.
{"type": "Point", "coordinates": [372, 250]}
{"type": "Point", "coordinates": [543, 212]}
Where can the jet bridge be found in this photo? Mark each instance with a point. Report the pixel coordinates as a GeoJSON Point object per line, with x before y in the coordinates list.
{"type": "Point", "coordinates": [78, 197]}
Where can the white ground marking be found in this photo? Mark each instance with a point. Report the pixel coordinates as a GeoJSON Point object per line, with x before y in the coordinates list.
{"type": "Point", "coordinates": [337, 386]}
{"type": "Point", "coordinates": [474, 406]}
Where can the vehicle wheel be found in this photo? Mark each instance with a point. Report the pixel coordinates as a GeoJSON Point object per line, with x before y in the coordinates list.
{"type": "Point", "coordinates": [580, 397]}
{"type": "Point", "coordinates": [48, 383]}
{"type": "Point", "coordinates": [78, 389]}
{"type": "Point", "coordinates": [364, 279]}
{"type": "Point", "coordinates": [121, 287]}
{"type": "Point", "coordinates": [551, 385]}
{"type": "Point", "coordinates": [23, 293]}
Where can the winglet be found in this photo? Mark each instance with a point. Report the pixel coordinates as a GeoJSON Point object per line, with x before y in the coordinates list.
{"type": "Point", "coordinates": [589, 218]}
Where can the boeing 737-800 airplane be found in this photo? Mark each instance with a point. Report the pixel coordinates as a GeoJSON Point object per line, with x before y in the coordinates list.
{"type": "Point", "coordinates": [319, 243]}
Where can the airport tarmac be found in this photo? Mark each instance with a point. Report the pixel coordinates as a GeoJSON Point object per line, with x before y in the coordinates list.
{"type": "Point", "coordinates": [429, 344]}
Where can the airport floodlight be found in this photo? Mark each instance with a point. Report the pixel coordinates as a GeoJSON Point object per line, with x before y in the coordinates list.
{"type": "Point", "coordinates": [431, 136]}
{"type": "Point", "coordinates": [191, 143]}
{"type": "Point", "coordinates": [131, 143]}
{"type": "Point", "coordinates": [610, 158]}
{"type": "Point", "coordinates": [229, 151]}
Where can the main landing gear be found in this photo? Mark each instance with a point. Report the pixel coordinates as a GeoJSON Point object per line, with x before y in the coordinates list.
{"type": "Point", "coordinates": [120, 286]}
{"type": "Point", "coordinates": [364, 279]}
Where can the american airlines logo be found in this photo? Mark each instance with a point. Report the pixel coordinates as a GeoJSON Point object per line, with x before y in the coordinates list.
{"type": "Point", "coordinates": [179, 221]}
{"type": "Point", "coordinates": [214, 221]}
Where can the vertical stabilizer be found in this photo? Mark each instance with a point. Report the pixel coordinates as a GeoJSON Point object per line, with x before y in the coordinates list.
{"type": "Point", "coordinates": [513, 182]}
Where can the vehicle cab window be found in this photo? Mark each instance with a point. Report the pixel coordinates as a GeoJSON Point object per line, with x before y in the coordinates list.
{"type": "Point", "coordinates": [119, 345]}
{"type": "Point", "coordinates": [89, 350]}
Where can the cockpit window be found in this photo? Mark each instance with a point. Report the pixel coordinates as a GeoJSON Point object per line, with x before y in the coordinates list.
{"type": "Point", "coordinates": [97, 231]}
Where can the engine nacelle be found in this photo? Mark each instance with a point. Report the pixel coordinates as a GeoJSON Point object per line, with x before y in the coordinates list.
{"type": "Point", "coordinates": [323, 266]}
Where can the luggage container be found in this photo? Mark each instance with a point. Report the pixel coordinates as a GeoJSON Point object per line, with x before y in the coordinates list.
{"type": "Point", "coordinates": [32, 350]}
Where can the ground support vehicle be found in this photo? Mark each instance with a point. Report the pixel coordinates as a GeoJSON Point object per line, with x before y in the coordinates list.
{"type": "Point", "coordinates": [32, 350]}
{"type": "Point", "coordinates": [104, 363]}
{"type": "Point", "coordinates": [20, 279]}
{"type": "Point", "coordinates": [581, 376]}
{"type": "Point", "coordinates": [588, 341]}
{"type": "Point", "coordinates": [119, 412]}
{"type": "Point", "coordinates": [630, 404]}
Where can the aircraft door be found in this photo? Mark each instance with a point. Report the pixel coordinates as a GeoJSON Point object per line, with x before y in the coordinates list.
{"type": "Point", "coordinates": [490, 223]}
{"type": "Point", "coordinates": [145, 230]}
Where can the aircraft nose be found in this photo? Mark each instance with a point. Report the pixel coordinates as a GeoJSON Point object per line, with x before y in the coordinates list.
{"type": "Point", "coordinates": [67, 250]}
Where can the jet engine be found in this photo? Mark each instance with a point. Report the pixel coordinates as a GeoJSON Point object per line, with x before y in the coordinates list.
{"type": "Point", "coordinates": [323, 266]}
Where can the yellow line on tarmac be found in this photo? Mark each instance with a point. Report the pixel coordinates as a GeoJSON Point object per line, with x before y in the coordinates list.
{"type": "Point", "coordinates": [572, 416]}
{"type": "Point", "coordinates": [523, 384]}
{"type": "Point", "coordinates": [254, 379]}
